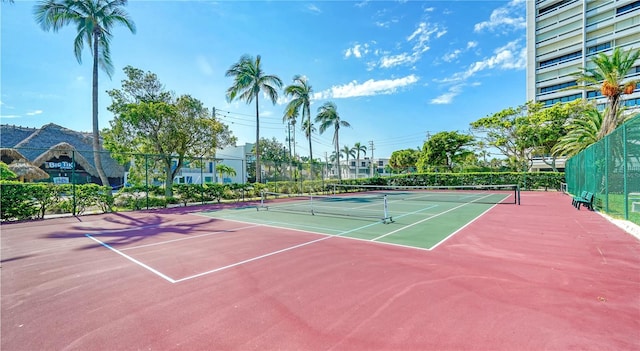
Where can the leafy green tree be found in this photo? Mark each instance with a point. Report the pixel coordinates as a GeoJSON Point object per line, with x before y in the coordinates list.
{"type": "Point", "coordinates": [328, 117]}
{"type": "Point", "coordinates": [301, 93]}
{"type": "Point", "coordinates": [150, 121]}
{"type": "Point", "coordinates": [94, 21]}
{"type": "Point", "coordinates": [248, 81]}
{"type": "Point", "coordinates": [404, 160]}
{"type": "Point", "coordinates": [444, 149]}
{"type": "Point", "coordinates": [5, 172]}
{"type": "Point", "coordinates": [274, 154]}
{"type": "Point", "coordinates": [544, 127]}
{"type": "Point", "coordinates": [223, 170]}
{"type": "Point", "coordinates": [501, 131]}
{"type": "Point", "coordinates": [608, 77]}
{"type": "Point", "coordinates": [359, 149]}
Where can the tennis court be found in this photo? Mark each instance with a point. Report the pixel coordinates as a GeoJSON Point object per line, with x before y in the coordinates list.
{"type": "Point", "coordinates": [426, 274]}
{"type": "Point", "coordinates": [416, 217]}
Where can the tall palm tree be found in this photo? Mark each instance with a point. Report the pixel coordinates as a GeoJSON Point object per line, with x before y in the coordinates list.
{"type": "Point", "coordinates": [248, 81]}
{"type": "Point", "coordinates": [93, 20]}
{"type": "Point", "coordinates": [359, 148]}
{"type": "Point", "coordinates": [328, 117]}
{"type": "Point", "coordinates": [301, 93]}
{"type": "Point", "coordinates": [309, 129]}
{"type": "Point", "coordinates": [607, 77]}
{"type": "Point", "coordinates": [348, 151]}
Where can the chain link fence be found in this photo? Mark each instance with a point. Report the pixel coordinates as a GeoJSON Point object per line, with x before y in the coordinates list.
{"type": "Point", "coordinates": [610, 169]}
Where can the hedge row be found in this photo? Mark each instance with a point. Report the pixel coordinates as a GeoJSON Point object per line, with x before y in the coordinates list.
{"type": "Point", "coordinates": [19, 201]}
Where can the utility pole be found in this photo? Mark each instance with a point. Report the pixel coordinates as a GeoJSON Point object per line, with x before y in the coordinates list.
{"type": "Point", "coordinates": [371, 148]}
{"type": "Point", "coordinates": [326, 164]}
{"type": "Point", "coordinates": [289, 140]}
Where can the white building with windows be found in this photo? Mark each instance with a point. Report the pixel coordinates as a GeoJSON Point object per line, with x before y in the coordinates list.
{"type": "Point", "coordinates": [364, 168]}
{"type": "Point", "coordinates": [562, 35]}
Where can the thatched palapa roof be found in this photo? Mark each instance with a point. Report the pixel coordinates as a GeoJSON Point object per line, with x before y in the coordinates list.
{"type": "Point", "coordinates": [27, 171]}
{"type": "Point", "coordinates": [65, 149]}
{"type": "Point", "coordinates": [52, 140]}
{"type": "Point", "coordinates": [9, 155]}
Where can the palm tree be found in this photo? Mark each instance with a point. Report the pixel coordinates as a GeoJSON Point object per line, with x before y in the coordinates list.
{"type": "Point", "coordinates": [309, 129]}
{"type": "Point", "coordinates": [301, 92]}
{"type": "Point", "coordinates": [248, 81]}
{"type": "Point", "coordinates": [582, 132]}
{"type": "Point", "coordinates": [225, 169]}
{"type": "Point", "coordinates": [348, 151]}
{"type": "Point", "coordinates": [607, 77]}
{"type": "Point", "coordinates": [359, 148]}
{"type": "Point", "coordinates": [93, 20]}
{"type": "Point", "coordinates": [291, 117]}
{"type": "Point", "coordinates": [328, 117]}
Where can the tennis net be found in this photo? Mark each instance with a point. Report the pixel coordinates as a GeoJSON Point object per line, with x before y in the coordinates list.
{"type": "Point", "coordinates": [350, 205]}
{"type": "Point", "coordinates": [485, 194]}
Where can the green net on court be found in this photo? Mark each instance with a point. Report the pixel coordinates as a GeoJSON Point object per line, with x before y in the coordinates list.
{"type": "Point", "coordinates": [610, 169]}
{"type": "Point", "coordinates": [485, 194]}
{"type": "Point", "coordinates": [368, 207]}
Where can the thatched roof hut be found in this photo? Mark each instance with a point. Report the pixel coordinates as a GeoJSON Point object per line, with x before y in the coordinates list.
{"type": "Point", "coordinates": [26, 171]}
{"type": "Point", "coordinates": [9, 155]}
{"type": "Point", "coordinates": [66, 149]}
{"type": "Point", "coordinates": [40, 145]}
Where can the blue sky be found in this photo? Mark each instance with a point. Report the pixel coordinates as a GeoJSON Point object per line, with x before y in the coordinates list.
{"type": "Point", "coordinates": [396, 70]}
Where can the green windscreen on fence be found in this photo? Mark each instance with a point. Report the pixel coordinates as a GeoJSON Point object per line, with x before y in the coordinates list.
{"type": "Point", "coordinates": [610, 169]}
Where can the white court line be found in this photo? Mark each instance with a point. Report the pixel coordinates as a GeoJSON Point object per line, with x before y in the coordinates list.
{"type": "Point", "coordinates": [158, 273]}
{"type": "Point", "coordinates": [189, 237]}
{"type": "Point", "coordinates": [252, 259]}
{"type": "Point", "coordinates": [424, 220]}
{"type": "Point", "coordinates": [459, 229]}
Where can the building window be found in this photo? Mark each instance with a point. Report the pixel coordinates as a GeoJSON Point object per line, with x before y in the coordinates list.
{"type": "Point", "coordinates": [353, 163]}
{"type": "Point", "coordinates": [544, 10]}
{"type": "Point", "coordinates": [593, 94]}
{"type": "Point", "coordinates": [561, 59]}
{"type": "Point", "coordinates": [380, 163]}
{"type": "Point", "coordinates": [558, 87]}
{"type": "Point", "coordinates": [598, 48]}
{"type": "Point", "coordinates": [561, 99]}
{"type": "Point", "coordinates": [628, 8]}
{"type": "Point", "coordinates": [631, 102]}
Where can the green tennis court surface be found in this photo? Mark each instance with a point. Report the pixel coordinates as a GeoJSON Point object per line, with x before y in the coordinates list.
{"type": "Point", "coordinates": [410, 218]}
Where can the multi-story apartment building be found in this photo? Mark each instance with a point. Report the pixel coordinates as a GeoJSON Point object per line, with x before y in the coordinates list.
{"type": "Point", "coordinates": [562, 35]}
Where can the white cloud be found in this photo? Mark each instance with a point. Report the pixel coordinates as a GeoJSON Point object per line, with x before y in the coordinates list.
{"type": "Point", "coordinates": [506, 17]}
{"type": "Point", "coordinates": [362, 3]}
{"type": "Point", "coordinates": [472, 44]}
{"type": "Point", "coordinates": [313, 8]}
{"type": "Point", "coordinates": [204, 65]}
{"type": "Point", "coordinates": [420, 39]}
{"type": "Point", "coordinates": [395, 60]}
{"type": "Point", "coordinates": [10, 116]}
{"type": "Point", "coordinates": [368, 88]}
{"type": "Point", "coordinates": [508, 57]}
{"type": "Point", "coordinates": [452, 55]}
{"type": "Point", "coordinates": [447, 97]}
{"type": "Point", "coordinates": [33, 113]}
{"type": "Point", "coordinates": [358, 50]}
